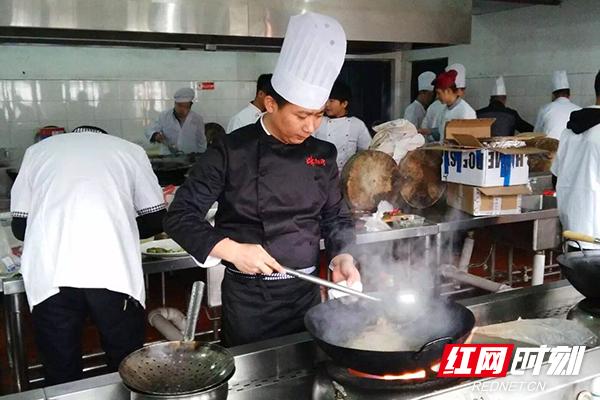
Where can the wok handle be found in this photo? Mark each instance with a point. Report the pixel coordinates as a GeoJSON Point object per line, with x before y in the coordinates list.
{"type": "Point", "coordinates": [434, 342]}
{"type": "Point", "coordinates": [328, 284]}
{"type": "Point", "coordinates": [580, 237]}
{"type": "Point", "coordinates": [193, 311]}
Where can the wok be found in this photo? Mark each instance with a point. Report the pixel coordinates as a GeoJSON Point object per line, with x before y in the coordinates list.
{"type": "Point", "coordinates": [171, 170]}
{"type": "Point", "coordinates": [582, 268]}
{"type": "Point", "coordinates": [426, 324]}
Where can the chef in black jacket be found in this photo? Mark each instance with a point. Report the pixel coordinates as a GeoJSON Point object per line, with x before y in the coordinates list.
{"type": "Point", "coordinates": [278, 192]}
{"type": "Point", "coordinates": [507, 120]}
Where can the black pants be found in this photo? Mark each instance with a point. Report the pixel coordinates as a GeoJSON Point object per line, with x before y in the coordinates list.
{"type": "Point", "coordinates": [58, 324]}
{"type": "Point", "coordinates": [257, 309]}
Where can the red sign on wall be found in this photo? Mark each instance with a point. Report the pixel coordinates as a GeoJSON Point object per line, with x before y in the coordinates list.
{"type": "Point", "coordinates": [208, 85]}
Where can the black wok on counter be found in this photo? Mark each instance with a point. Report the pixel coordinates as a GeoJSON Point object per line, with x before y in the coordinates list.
{"type": "Point", "coordinates": [420, 326]}
{"type": "Point", "coordinates": [172, 169]}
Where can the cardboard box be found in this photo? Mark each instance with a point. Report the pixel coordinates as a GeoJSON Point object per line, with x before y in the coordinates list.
{"type": "Point", "coordinates": [470, 162]}
{"type": "Point", "coordinates": [479, 128]}
{"type": "Point", "coordinates": [480, 201]}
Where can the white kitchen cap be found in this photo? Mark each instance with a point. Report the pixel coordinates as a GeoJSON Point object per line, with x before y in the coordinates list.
{"type": "Point", "coordinates": [461, 77]}
{"type": "Point", "coordinates": [499, 87]}
{"type": "Point", "coordinates": [311, 57]}
{"type": "Point", "coordinates": [184, 95]}
{"type": "Point", "coordinates": [560, 81]}
{"type": "Point", "coordinates": [426, 80]}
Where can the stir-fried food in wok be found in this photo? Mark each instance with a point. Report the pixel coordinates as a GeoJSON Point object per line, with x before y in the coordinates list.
{"type": "Point", "coordinates": [383, 336]}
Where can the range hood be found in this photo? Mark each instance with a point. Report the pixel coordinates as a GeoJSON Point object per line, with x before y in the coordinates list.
{"type": "Point", "coordinates": [371, 25]}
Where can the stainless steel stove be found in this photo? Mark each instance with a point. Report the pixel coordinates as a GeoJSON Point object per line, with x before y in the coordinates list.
{"type": "Point", "coordinates": [293, 367]}
{"type": "Point", "coordinates": [334, 382]}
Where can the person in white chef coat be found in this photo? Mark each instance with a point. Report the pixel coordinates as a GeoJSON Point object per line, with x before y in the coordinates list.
{"type": "Point", "coordinates": [461, 78]}
{"type": "Point", "coordinates": [432, 116]}
{"type": "Point", "coordinates": [455, 107]}
{"type": "Point", "coordinates": [415, 112]}
{"type": "Point", "coordinates": [553, 117]}
{"type": "Point", "coordinates": [179, 129]}
{"type": "Point", "coordinates": [250, 114]}
{"type": "Point", "coordinates": [349, 134]}
{"type": "Point", "coordinates": [81, 203]}
{"type": "Point", "coordinates": [436, 109]}
{"type": "Point", "coordinates": [577, 168]}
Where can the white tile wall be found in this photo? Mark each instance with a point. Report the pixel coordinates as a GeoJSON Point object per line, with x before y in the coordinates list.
{"type": "Point", "coordinates": [526, 45]}
{"type": "Point", "coordinates": [80, 110]}
{"type": "Point", "coordinates": [120, 90]}
{"type": "Point", "coordinates": [22, 133]}
{"type": "Point", "coordinates": [110, 125]}
{"type": "Point", "coordinates": [107, 110]}
{"type": "Point", "coordinates": [49, 111]}
{"type": "Point", "coordinates": [51, 90]}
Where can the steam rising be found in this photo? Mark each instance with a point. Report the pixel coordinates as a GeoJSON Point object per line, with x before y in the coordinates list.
{"type": "Point", "coordinates": [403, 273]}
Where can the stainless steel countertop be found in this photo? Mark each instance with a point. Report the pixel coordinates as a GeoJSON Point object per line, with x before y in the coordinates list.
{"type": "Point", "coordinates": [443, 218]}
{"type": "Point", "coordinates": [450, 219]}
{"type": "Point", "coordinates": [438, 220]}
{"type": "Point", "coordinates": [284, 368]}
{"type": "Point", "coordinates": [397, 234]}
{"type": "Point", "coordinates": [150, 266]}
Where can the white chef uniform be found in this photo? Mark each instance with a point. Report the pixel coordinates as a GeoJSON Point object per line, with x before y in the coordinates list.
{"type": "Point", "coordinates": [415, 112]}
{"type": "Point", "coordinates": [81, 194]}
{"type": "Point", "coordinates": [348, 134]}
{"type": "Point", "coordinates": [459, 110]}
{"type": "Point", "coordinates": [553, 117]}
{"type": "Point", "coordinates": [577, 166]}
{"type": "Point", "coordinates": [188, 138]}
{"type": "Point", "coordinates": [248, 115]}
{"type": "Point", "coordinates": [432, 116]}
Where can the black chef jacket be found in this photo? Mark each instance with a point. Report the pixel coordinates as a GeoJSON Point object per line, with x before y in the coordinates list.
{"type": "Point", "coordinates": [507, 119]}
{"type": "Point", "coordinates": [282, 196]}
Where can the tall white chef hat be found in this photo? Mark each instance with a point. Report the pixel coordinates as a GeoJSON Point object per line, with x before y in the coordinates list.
{"type": "Point", "coordinates": [426, 80]}
{"type": "Point", "coordinates": [461, 78]}
{"type": "Point", "coordinates": [560, 81]}
{"type": "Point", "coordinates": [499, 87]}
{"type": "Point", "coordinates": [184, 95]}
{"type": "Point", "coordinates": [311, 58]}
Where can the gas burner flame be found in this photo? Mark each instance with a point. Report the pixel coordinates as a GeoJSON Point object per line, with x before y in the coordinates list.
{"type": "Point", "coordinates": [406, 376]}
{"type": "Point", "coordinates": [420, 374]}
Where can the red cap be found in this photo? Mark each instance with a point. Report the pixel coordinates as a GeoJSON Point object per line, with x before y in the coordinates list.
{"type": "Point", "coordinates": [445, 80]}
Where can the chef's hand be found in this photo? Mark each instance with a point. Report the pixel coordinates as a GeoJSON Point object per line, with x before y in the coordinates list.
{"type": "Point", "coordinates": [344, 269]}
{"type": "Point", "coordinates": [158, 137]}
{"type": "Point", "coordinates": [248, 258]}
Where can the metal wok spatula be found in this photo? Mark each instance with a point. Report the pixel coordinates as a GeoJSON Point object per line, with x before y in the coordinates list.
{"type": "Point", "coordinates": [328, 284]}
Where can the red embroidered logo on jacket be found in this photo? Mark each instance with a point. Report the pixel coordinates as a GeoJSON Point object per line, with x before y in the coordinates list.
{"type": "Point", "coordinates": [313, 161]}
